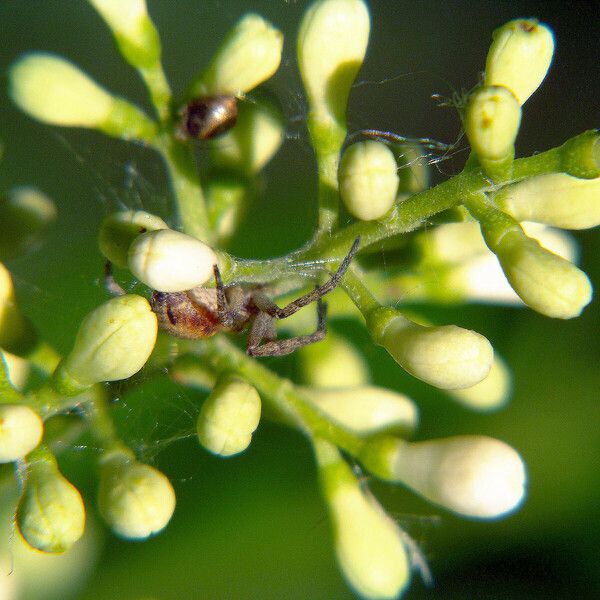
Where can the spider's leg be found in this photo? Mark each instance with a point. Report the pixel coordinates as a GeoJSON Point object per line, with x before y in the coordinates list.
{"type": "Point", "coordinates": [225, 317]}
{"type": "Point", "coordinates": [265, 304]}
{"type": "Point", "coordinates": [282, 347]}
{"type": "Point", "coordinates": [109, 281]}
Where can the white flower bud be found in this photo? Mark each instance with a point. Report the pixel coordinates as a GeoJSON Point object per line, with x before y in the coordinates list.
{"type": "Point", "coordinates": [114, 342]}
{"type": "Point", "coordinates": [367, 409]}
{"type": "Point", "coordinates": [15, 331]}
{"type": "Point", "coordinates": [229, 417]}
{"type": "Point", "coordinates": [51, 514]}
{"type": "Point", "coordinates": [170, 261]}
{"type": "Point", "coordinates": [451, 243]}
{"type": "Point", "coordinates": [256, 137]}
{"type": "Point", "coordinates": [332, 42]}
{"type": "Point", "coordinates": [368, 179]}
{"type": "Point", "coordinates": [134, 32]}
{"type": "Point", "coordinates": [475, 476]}
{"type": "Point", "coordinates": [53, 90]}
{"type": "Point", "coordinates": [136, 500]}
{"type": "Point", "coordinates": [491, 393]}
{"type": "Point", "coordinates": [119, 229]}
{"type": "Point", "coordinates": [520, 56]}
{"type": "Point", "coordinates": [492, 120]}
{"type": "Point", "coordinates": [546, 282]}
{"type": "Point", "coordinates": [17, 369]}
{"type": "Point", "coordinates": [448, 357]}
{"type": "Point", "coordinates": [21, 430]}
{"type": "Point", "coordinates": [369, 544]}
{"type": "Point", "coordinates": [249, 55]}
{"type": "Point", "coordinates": [333, 363]}
{"type": "Point", "coordinates": [556, 199]}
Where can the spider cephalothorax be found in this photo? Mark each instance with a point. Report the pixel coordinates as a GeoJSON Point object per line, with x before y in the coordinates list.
{"type": "Point", "coordinates": [201, 312]}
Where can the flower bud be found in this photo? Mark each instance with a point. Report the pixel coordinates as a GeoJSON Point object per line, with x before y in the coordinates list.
{"type": "Point", "coordinates": [475, 476]}
{"type": "Point", "coordinates": [520, 56]}
{"type": "Point", "coordinates": [16, 334]}
{"type": "Point", "coordinates": [448, 357]}
{"type": "Point", "coordinates": [556, 199]}
{"type": "Point", "coordinates": [256, 137]}
{"type": "Point", "coordinates": [134, 32]}
{"type": "Point", "coordinates": [369, 544]}
{"type": "Point", "coordinates": [367, 409]}
{"type": "Point", "coordinates": [368, 179]}
{"type": "Point", "coordinates": [249, 55]}
{"type": "Point", "coordinates": [53, 90]}
{"type": "Point", "coordinates": [119, 229]}
{"type": "Point", "coordinates": [491, 393]}
{"type": "Point", "coordinates": [21, 430]}
{"type": "Point", "coordinates": [332, 42]}
{"type": "Point", "coordinates": [51, 514]}
{"type": "Point", "coordinates": [136, 500]}
{"type": "Point", "coordinates": [229, 417]}
{"type": "Point", "coordinates": [546, 282]}
{"type": "Point", "coordinates": [170, 261]}
{"type": "Point", "coordinates": [333, 363]}
{"type": "Point", "coordinates": [25, 215]}
{"type": "Point", "coordinates": [114, 342]}
{"type": "Point", "coordinates": [17, 369]}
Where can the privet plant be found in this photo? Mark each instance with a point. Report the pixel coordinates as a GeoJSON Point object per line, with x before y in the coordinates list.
{"type": "Point", "coordinates": [492, 233]}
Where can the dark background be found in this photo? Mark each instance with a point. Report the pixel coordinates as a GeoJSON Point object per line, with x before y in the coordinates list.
{"type": "Point", "coordinates": [254, 526]}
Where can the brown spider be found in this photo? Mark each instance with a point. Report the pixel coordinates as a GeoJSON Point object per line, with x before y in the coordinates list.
{"type": "Point", "coordinates": [201, 312]}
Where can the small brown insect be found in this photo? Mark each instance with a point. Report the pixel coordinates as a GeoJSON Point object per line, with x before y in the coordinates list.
{"type": "Point", "coordinates": [207, 117]}
{"type": "Point", "coordinates": [201, 312]}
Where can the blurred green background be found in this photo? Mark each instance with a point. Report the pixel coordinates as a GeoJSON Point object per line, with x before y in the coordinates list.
{"type": "Point", "coordinates": [254, 526]}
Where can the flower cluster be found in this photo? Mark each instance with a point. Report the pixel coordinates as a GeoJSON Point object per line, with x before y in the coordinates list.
{"type": "Point", "coordinates": [496, 240]}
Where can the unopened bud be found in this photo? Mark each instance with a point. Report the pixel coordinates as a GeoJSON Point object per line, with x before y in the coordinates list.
{"type": "Point", "coordinates": [229, 417]}
{"type": "Point", "coordinates": [51, 514]}
{"type": "Point", "coordinates": [119, 229]}
{"type": "Point", "coordinates": [556, 199]}
{"type": "Point", "coordinates": [368, 179]}
{"type": "Point", "coordinates": [170, 261]}
{"type": "Point", "coordinates": [114, 342]}
{"type": "Point", "coordinates": [475, 476]}
{"type": "Point", "coordinates": [21, 430]}
{"type": "Point", "coordinates": [136, 500]}
{"type": "Point", "coordinates": [16, 333]}
{"type": "Point", "coordinates": [367, 409]}
{"type": "Point", "coordinates": [249, 55]}
{"type": "Point", "coordinates": [25, 215]}
{"type": "Point", "coordinates": [134, 32]}
{"type": "Point", "coordinates": [520, 56]}
{"type": "Point", "coordinates": [546, 282]}
{"type": "Point", "coordinates": [448, 357]}
{"type": "Point", "coordinates": [53, 90]}
{"type": "Point", "coordinates": [332, 43]}
{"type": "Point", "coordinates": [369, 544]}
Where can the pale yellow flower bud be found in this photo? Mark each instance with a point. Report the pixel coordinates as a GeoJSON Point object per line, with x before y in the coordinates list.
{"type": "Point", "coordinates": [114, 342]}
{"type": "Point", "coordinates": [15, 331]}
{"type": "Point", "coordinates": [18, 369]}
{"type": "Point", "coordinates": [476, 476]}
{"type": "Point", "coordinates": [332, 363]}
{"type": "Point", "coordinates": [229, 417]}
{"type": "Point", "coordinates": [448, 357]}
{"type": "Point", "coordinates": [546, 282]}
{"type": "Point", "coordinates": [368, 179]}
{"type": "Point", "coordinates": [332, 43]}
{"type": "Point", "coordinates": [21, 430]}
{"type": "Point", "coordinates": [170, 261]}
{"type": "Point", "coordinates": [51, 514]}
{"type": "Point", "coordinates": [367, 409]}
{"type": "Point", "coordinates": [119, 229]}
{"type": "Point", "coordinates": [134, 32]}
{"type": "Point", "coordinates": [136, 500]}
{"type": "Point", "coordinates": [249, 55]}
{"type": "Point", "coordinates": [520, 56]}
{"type": "Point", "coordinates": [491, 393]}
{"type": "Point", "coordinates": [370, 547]}
{"type": "Point", "coordinates": [53, 90]}
{"type": "Point", "coordinates": [556, 199]}
{"type": "Point", "coordinates": [256, 137]}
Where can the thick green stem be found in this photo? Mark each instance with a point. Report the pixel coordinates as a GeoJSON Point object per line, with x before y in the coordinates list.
{"type": "Point", "coordinates": [159, 90]}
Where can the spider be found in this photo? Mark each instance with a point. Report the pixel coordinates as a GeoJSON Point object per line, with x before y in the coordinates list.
{"type": "Point", "coordinates": [201, 312]}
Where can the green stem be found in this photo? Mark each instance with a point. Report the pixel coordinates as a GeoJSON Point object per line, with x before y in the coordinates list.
{"type": "Point", "coordinates": [358, 292]}
{"type": "Point", "coordinates": [158, 88]}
